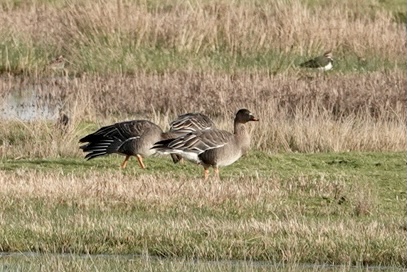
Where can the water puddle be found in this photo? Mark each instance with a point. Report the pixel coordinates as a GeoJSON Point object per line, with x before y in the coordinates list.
{"type": "Point", "coordinates": [28, 102]}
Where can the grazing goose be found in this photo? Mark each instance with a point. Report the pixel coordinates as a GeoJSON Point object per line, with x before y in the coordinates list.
{"type": "Point", "coordinates": [130, 138]}
{"type": "Point", "coordinates": [135, 138]}
{"type": "Point", "coordinates": [323, 63]}
{"type": "Point", "coordinates": [187, 123]}
{"type": "Point", "coordinates": [212, 147]}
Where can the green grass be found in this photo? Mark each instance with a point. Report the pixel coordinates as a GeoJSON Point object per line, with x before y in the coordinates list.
{"type": "Point", "coordinates": [50, 262]}
{"type": "Point", "coordinates": [123, 59]}
{"type": "Point", "coordinates": [106, 47]}
{"type": "Point", "coordinates": [281, 210]}
{"type": "Point", "coordinates": [265, 207]}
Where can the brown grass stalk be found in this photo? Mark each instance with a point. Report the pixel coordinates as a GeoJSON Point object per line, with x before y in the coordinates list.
{"type": "Point", "coordinates": [248, 217]}
{"type": "Point", "coordinates": [335, 113]}
{"type": "Point", "coordinates": [238, 27]}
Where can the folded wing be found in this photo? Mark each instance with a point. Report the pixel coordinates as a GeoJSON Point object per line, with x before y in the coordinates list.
{"type": "Point", "coordinates": [195, 143]}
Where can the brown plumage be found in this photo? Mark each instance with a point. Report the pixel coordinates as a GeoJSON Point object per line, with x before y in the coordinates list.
{"type": "Point", "coordinates": [131, 138]}
{"type": "Point", "coordinates": [190, 122]}
{"type": "Point", "coordinates": [212, 147]}
{"type": "Point", "coordinates": [57, 63]}
{"type": "Point", "coordinates": [137, 137]}
{"type": "Point", "coordinates": [187, 123]}
{"type": "Point", "coordinates": [323, 63]}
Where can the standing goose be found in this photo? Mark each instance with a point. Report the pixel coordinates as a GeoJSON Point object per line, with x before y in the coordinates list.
{"type": "Point", "coordinates": [186, 123]}
{"type": "Point", "coordinates": [212, 147]}
{"type": "Point", "coordinates": [323, 63]}
{"type": "Point", "coordinates": [137, 137]}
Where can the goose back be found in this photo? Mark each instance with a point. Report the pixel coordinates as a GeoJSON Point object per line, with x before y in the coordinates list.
{"type": "Point", "coordinates": [212, 147]}
{"type": "Point", "coordinates": [127, 138]}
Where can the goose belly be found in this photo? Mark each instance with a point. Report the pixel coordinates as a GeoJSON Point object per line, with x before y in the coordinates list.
{"type": "Point", "coordinates": [220, 157]}
{"type": "Point", "coordinates": [228, 160]}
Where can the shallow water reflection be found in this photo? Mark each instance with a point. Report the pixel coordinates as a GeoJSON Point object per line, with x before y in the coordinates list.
{"type": "Point", "coordinates": [27, 105]}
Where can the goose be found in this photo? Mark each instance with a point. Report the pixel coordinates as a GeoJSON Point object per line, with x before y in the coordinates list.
{"type": "Point", "coordinates": [136, 137]}
{"type": "Point", "coordinates": [186, 123]}
{"type": "Point", "coordinates": [129, 138]}
{"type": "Point", "coordinates": [323, 63]}
{"type": "Point", "coordinates": [211, 147]}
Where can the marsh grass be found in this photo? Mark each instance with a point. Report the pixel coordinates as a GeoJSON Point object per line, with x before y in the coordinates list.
{"type": "Point", "coordinates": [67, 262]}
{"type": "Point", "coordinates": [298, 114]}
{"type": "Point", "coordinates": [145, 60]}
{"type": "Point", "coordinates": [294, 199]}
{"type": "Point", "coordinates": [116, 37]}
{"type": "Point", "coordinates": [327, 208]}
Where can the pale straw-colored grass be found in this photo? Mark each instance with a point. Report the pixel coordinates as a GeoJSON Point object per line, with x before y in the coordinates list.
{"type": "Point", "coordinates": [242, 218]}
{"type": "Point", "coordinates": [335, 113]}
{"type": "Point", "coordinates": [112, 47]}
{"type": "Point", "coordinates": [109, 35]}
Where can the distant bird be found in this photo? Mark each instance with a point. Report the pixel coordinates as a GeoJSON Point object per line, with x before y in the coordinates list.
{"type": "Point", "coordinates": [323, 63]}
{"type": "Point", "coordinates": [187, 123]}
{"type": "Point", "coordinates": [62, 121]}
{"type": "Point", "coordinates": [137, 137]}
{"type": "Point", "coordinates": [212, 147]}
{"type": "Point", "coordinates": [57, 63]}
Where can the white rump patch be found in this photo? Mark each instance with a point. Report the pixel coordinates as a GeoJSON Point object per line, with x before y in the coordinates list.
{"type": "Point", "coordinates": [191, 156]}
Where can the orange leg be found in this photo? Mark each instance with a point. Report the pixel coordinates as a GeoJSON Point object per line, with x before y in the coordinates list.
{"type": "Point", "coordinates": [124, 163]}
{"type": "Point", "coordinates": [206, 173]}
{"type": "Point", "coordinates": [140, 161]}
{"type": "Point", "coordinates": [216, 169]}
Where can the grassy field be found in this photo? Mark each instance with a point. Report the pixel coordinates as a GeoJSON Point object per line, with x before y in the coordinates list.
{"type": "Point", "coordinates": [69, 262]}
{"type": "Point", "coordinates": [324, 182]}
{"type": "Point", "coordinates": [124, 37]}
{"type": "Point", "coordinates": [337, 208]}
{"type": "Point", "coordinates": [334, 113]}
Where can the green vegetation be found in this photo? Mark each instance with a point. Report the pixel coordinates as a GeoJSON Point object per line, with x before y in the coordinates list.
{"type": "Point", "coordinates": [68, 262]}
{"type": "Point", "coordinates": [324, 182]}
{"type": "Point", "coordinates": [117, 37]}
{"type": "Point", "coordinates": [266, 208]}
